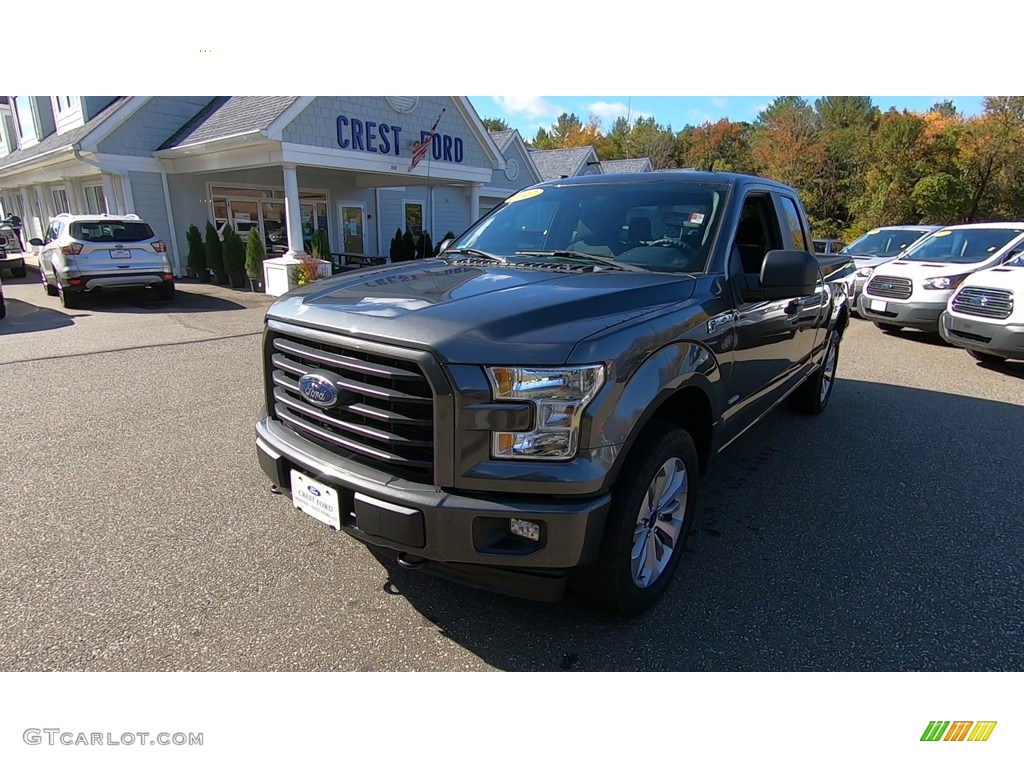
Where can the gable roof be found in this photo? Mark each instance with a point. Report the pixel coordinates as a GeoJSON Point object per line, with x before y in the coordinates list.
{"type": "Point", "coordinates": [59, 141]}
{"type": "Point", "coordinates": [634, 165]}
{"type": "Point", "coordinates": [560, 163]}
{"type": "Point", "coordinates": [228, 116]}
{"type": "Point", "coordinates": [503, 138]}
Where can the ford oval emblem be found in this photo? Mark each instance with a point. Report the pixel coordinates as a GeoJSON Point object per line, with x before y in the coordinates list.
{"type": "Point", "coordinates": [318, 389]}
{"type": "Point", "coordinates": [313, 490]}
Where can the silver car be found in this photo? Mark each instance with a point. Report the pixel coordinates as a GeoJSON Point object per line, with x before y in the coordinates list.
{"type": "Point", "coordinates": [877, 247]}
{"type": "Point", "coordinates": [86, 254]}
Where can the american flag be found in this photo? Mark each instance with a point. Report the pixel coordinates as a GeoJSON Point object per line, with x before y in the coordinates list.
{"type": "Point", "coordinates": [421, 149]}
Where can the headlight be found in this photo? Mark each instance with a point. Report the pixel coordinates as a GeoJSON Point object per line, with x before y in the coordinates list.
{"type": "Point", "coordinates": [865, 271]}
{"type": "Point", "coordinates": [559, 396]}
{"type": "Point", "coordinates": [943, 283]}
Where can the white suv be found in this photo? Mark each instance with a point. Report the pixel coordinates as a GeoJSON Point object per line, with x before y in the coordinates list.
{"type": "Point", "coordinates": [986, 315]}
{"type": "Point", "coordinates": [913, 290]}
{"type": "Point", "coordinates": [83, 254]}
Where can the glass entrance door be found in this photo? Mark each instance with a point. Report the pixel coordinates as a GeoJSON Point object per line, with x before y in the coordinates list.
{"type": "Point", "coordinates": [314, 219]}
{"type": "Point", "coordinates": [352, 217]}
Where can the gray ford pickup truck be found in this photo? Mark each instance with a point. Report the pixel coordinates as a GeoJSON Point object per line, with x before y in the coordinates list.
{"type": "Point", "coordinates": [536, 407]}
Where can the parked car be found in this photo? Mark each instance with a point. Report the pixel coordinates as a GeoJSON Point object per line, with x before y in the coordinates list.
{"type": "Point", "coordinates": [986, 314]}
{"type": "Point", "coordinates": [10, 252]}
{"type": "Point", "coordinates": [542, 400]}
{"type": "Point", "coordinates": [914, 290]}
{"type": "Point", "coordinates": [3, 306]}
{"type": "Point", "coordinates": [84, 254]}
{"type": "Point", "coordinates": [877, 247]}
{"type": "Point", "coordinates": [828, 246]}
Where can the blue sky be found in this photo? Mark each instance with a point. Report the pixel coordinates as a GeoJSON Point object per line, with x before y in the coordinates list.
{"type": "Point", "coordinates": [527, 113]}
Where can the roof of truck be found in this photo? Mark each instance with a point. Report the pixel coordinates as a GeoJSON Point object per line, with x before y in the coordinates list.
{"type": "Point", "coordinates": [707, 177]}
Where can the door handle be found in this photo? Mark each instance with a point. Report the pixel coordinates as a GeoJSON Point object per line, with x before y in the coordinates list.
{"type": "Point", "coordinates": [793, 307]}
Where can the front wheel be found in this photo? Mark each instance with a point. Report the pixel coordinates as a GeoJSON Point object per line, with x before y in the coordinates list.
{"type": "Point", "coordinates": [652, 510]}
{"type": "Point", "coordinates": [814, 394]}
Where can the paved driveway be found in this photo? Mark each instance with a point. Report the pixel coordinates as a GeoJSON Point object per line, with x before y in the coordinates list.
{"type": "Point", "coordinates": [139, 534]}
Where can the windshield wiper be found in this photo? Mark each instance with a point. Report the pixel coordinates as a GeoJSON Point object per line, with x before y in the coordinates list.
{"type": "Point", "coordinates": [579, 255]}
{"type": "Point", "coordinates": [474, 252]}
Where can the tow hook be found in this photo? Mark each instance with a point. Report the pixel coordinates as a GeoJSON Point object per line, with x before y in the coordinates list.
{"type": "Point", "coordinates": [410, 562]}
{"type": "Point", "coordinates": [275, 490]}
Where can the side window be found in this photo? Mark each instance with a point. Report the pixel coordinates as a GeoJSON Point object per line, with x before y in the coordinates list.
{"type": "Point", "coordinates": [50, 235]}
{"type": "Point", "coordinates": [756, 234]}
{"type": "Point", "coordinates": [792, 221]}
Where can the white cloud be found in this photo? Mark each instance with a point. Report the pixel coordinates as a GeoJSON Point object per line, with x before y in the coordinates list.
{"type": "Point", "coordinates": [610, 110]}
{"type": "Point", "coordinates": [531, 107]}
{"type": "Point", "coordinates": [720, 102]}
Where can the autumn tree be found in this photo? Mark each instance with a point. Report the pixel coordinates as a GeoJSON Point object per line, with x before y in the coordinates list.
{"type": "Point", "coordinates": [721, 146]}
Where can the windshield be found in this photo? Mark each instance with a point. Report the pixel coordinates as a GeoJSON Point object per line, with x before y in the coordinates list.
{"type": "Point", "coordinates": [962, 246]}
{"type": "Point", "coordinates": [111, 231]}
{"type": "Point", "coordinates": [655, 226]}
{"type": "Point", "coordinates": [879, 241]}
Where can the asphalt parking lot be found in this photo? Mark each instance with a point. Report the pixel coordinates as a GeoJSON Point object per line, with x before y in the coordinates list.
{"type": "Point", "coordinates": [139, 533]}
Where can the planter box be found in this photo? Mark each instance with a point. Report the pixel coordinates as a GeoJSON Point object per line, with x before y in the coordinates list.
{"type": "Point", "coordinates": [277, 274]}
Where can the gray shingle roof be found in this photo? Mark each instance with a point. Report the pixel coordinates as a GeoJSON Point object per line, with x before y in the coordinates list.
{"type": "Point", "coordinates": [556, 163]}
{"type": "Point", "coordinates": [634, 165]}
{"type": "Point", "coordinates": [64, 140]}
{"type": "Point", "coordinates": [502, 138]}
{"type": "Point", "coordinates": [230, 116]}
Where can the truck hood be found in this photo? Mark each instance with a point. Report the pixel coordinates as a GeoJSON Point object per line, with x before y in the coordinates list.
{"type": "Point", "coordinates": [480, 314]}
{"type": "Point", "coordinates": [872, 260]}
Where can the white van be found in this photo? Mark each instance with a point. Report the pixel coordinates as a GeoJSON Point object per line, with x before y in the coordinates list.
{"type": "Point", "coordinates": [986, 314]}
{"type": "Point", "coordinates": [913, 290]}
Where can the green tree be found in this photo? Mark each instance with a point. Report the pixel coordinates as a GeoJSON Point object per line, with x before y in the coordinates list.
{"type": "Point", "coordinates": [196, 252]}
{"type": "Point", "coordinates": [255, 253]}
{"type": "Point", "coordinates": [495, 124]}
{"type": "Point", "coordinates": [215, 253]}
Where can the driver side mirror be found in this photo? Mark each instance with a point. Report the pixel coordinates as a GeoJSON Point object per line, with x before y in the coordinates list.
{"type": "Point", "coordinates": [35, 241]}
{"type": "Point", "coordinates": [444, 245]}
{"type": "Point", "coordinates": [788, 274]}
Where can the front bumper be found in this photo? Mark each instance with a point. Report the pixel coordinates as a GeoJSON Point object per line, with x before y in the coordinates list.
{"type": "Point", "coordinates": [908, 313]}
{"type": "Point", "coordinates": [461, 536]}
{"type": "Point", "coordinates": [983, 335]}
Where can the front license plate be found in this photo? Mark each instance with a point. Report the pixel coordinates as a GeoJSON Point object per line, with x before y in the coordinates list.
{"type": "Point", "coordinates": [877, 306]}
{"type": "Point", "coordinates": [316, 500]}
{"type": "Point", "coordinates": [120, 254]}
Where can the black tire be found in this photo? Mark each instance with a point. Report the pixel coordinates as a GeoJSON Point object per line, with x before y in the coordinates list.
{"type": "Point", "coordinates": [68, 299]}
{"type": "Point", "coordinates": [985, 358]}
{"type": "Point", "coordinates": [610, 582]}
{"type": "Point", "coordinates": [887, 328]}
{"type": "Point", "coordinates": [19, 271]}
{"type": "Point", "coordinates": [813, 395]}
{"type": "Point", "coordinates": [165, 292]}
{"type": "Point", "coordinates": [50, 289]}
{"type": "Point", "coordinates": [3, 308]}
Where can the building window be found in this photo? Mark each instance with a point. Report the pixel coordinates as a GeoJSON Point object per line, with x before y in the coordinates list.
{"type": "Point", "coordinates": [414, 218]}
{"type": "Point", "coordinates": [23, 118]}
{"type": "Point", "coordinates": [94, 200]}
{"type": "Point", "coordinates": [60, 200]}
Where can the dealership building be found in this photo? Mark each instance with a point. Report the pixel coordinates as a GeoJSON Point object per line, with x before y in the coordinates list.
{"type": "Point", "coordinates": [290, 165]}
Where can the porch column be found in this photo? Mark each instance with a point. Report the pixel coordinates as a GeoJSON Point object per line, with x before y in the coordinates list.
{"type": "Point", "coordinates": [474, 202]}
{"type": "Point", "coordinates": [292, 211]}
{"type": "Point", "coordinates": [76, 198]}
{"type": "Point", "coordinates": [109, 196]}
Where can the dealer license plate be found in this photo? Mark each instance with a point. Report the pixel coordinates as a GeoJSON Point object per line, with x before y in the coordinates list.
{"type": "Point", "coordinates": [120, 253]}
{"type": "Point", "coordinates": [877, 306]}
{"type": "Point", "coordinates": [316, 500]}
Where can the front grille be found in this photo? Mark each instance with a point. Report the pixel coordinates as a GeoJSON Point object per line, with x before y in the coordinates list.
{"type": "Point", "coordinates": [388, 421]}
{"type": "Point", "coordinates": [984, 302]}
{"type": "Point", "coordinates": [890, 287]}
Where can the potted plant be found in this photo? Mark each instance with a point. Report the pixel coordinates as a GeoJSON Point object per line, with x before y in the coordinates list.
{"type": "Point", "coordinates": [408, 246]}
{"type": "Point", "coordinates": [396, 246]}
{"type": "Point", "coordinates": [197, 255]}
{"type": "Point", "coordinates": [255, 253]}
{"type": "Point", "coordinates": [307, 270]}
{"type": "Point", "coordinates": [215, 254]}
{"type": "Point", "coordinates": [234, 257]}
